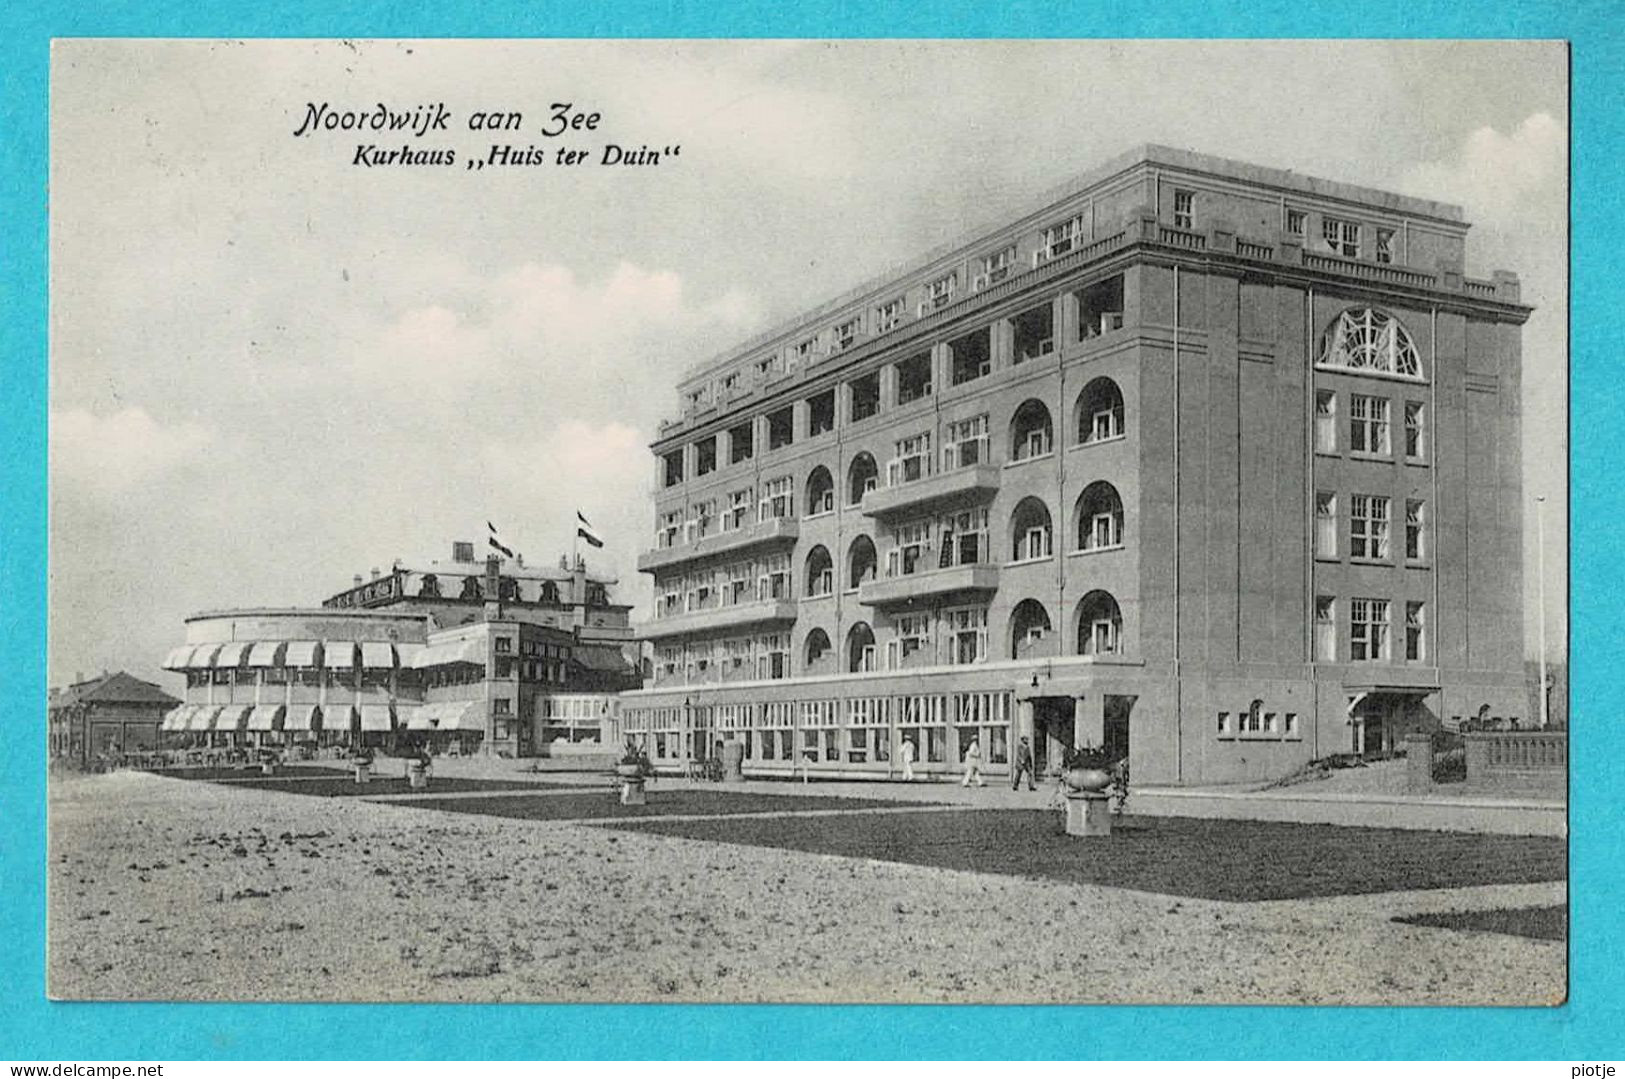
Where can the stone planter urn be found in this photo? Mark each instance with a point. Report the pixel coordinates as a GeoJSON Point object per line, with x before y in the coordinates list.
{"type": "Point", "coordinates": [632, 792]}
{"type": "Point", "coordinates": [363, 771]}
{"type": "Point", "coordinates": [1087, 779]}
{"type": "Point", "coordinates": [629, 771]}
{"type": "Point", "coordinates": [267, 768]}
{"type": "Point", "coordinates": [417, 775]}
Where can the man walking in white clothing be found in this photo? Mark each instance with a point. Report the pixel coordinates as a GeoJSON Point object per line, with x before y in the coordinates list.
{"type": "Point", "coordinates": [908, 760]}
{"type": "Point", "coordinates": [973, 764]}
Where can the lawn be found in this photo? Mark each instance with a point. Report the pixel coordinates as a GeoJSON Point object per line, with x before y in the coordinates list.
{"type": "Point", "coordinates": [1238, 861]}
{"type": "Point", "coordinates": [1536, 923]}
{"type": "Point", "coordinates": [329, 783]}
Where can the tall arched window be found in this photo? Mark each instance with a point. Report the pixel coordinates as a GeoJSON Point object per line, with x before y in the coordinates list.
{"type": "Point", "coordinates": [1100, 517]}
{"type": "Point", "coordinates": [817, 647]}
{"type": "Point", "coordinates": [861, 476]}
{"type": "Point", "coordinates": [820, 572]}
{"type": "Point", "coordinates": [1031, 434]}
{"type": "Point", "coordinates": [820, 492]}
{"type": "Point", "coordinates": [1100, 625]}
{"type": "Point", "coordinates": [1100, 411]}
{"type": "Point", "coordinates": [861, 561]}
{"type": "Point", "coordinates": [1030, 630]}
{"type": "Point", "coordinates": [1366, 340]}
{"type": "Point", "coordinates": [1030, 531]}
{"type": "Point", "coordinates": [860, 648]}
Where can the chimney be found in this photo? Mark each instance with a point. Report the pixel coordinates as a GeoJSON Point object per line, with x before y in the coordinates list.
{"type": "Point", "coordinates": [375, 573]}
{"type": "Point", "coordinates": [357, 578]}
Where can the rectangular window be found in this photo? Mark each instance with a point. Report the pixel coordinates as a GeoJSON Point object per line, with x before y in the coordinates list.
{"type": "Point", "coordinates": [1415, 536]}
{"type": "Point", "coordinates": [673, 471]}
{"type": "Point", "coordinates": [967, 444]}
{"type": "Point", "coordinates": [889, 315]}
{"type": "Point", "coordinates": [1325, 629]}
{"type": "Point", "coordinates": [773, 657]}
{"type": "Point", "coordinates": [671, 526]}
{"type": "Point", "coordinates": [1368, 424]}
{"type": "Point", "coordinates": [738, 513]}
{"type": "Point", "coordinates": [1034, 333]}
{"type": "Point", "coordinates": [1034, 544]}
{"type": "Point", "coordinates": [914, 378]}
{"type": "Point", "coordinates": [1224, 722]}
{"type": "Point", "coordinates": [705, 457]}
{"type": "Point", "coordinates": [846, 335]}
{"type": "Point", "coordinates": [1414, 645]}
{"type": "Point", "coordinates": [781, 428]}
{"type": "Point", "coordinates": [1290, 728]}
{"type": "Point", "coordinates": [1325, 421]}
{"type": "Point", "coordinates": [1368, 526]}
{"type": "Point", "coordinates": [1325, 524]}
{"type": "Point", "coordinates": [1385, 245]}
{"type": "Point", "coordinates": [777, 501]}
{"type": "Point", "coordinates": [821, 413]}
{"type": "Point", "coordinates": [971, 357]}
{"type": "Point", "coordinates": [865, 396]}
{"type": "Point", "coordinates": [912, 460]}
{"type": "Point", "coordinates": [1295, 222]}
{"type": "Point", "coordinates": [1368, 629]}
{"type": "Point", "coordinates": [741, 443]}
{"type": "Point", "coordinates": [913, 635]}
{"type": "Point", "coordinates": [739, 584]}
{"type": "Point", "coordinates": [1184, 209]}
{"type": "Point", "coordinates": [773, 581]}
{"type": "Point", "coordinates": [1415, 429]}
{"type": "Point", "coordinates": [963, 539]}
{"type": "Point", "coordinates": [701, 519]}
{"type": "Point", "coordinates": [995, 268]}
{"type": "Point", "coordinates": [805, 351]}
{"type": "Point", "coordinates": [966, 628]}
{"type": "Point", "coordinates": [1342, 237]}
{"type": "Point", "coordinates": [911, 549]}
{"type": "Point", "coordinates": [1059, 240]}
{"type": "Point", "coordinates": [769, 368]}
{"type": "Point", "coordinates": [940, 293]}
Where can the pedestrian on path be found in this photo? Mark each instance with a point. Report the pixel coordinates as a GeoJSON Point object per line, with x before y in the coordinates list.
{"type": "Point", "coordinates": [973, 764]}
{"type": "Point", "coordinates": [1024, 763]}
{"type": "Point", "coordinates": [908, 760]}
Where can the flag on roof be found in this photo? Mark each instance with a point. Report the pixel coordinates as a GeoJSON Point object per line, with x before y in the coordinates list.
{"type": "Point", "coordinates": [587, 535]}
{"type": "Point", "coordinates": [496, 543]}
{"type": "Point", "coordinates": [582, 519]}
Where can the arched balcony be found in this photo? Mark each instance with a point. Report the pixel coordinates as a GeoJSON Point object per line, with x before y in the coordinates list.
{"type": "Point", "coordinates": [1031, 433]}
{"type": "Point", "coordinates": [1030, 631]}
{"type": "Point", "coordinates": [862, 476]}
{"type": "Point", "coordinates": [820, 492]}
{"type": "Point", "coordinates": [860, 648]}
{"type": "Point", "coordinates": [1031, 533]}
{"type": "Point", "coordinates": [1100, 412]}
{"type": "Point", "coordinates": [820, 572]}
{"type": "Point", "coordinates": [1099, 517]}
{"type": "Point", "coordinates": [861, 561]}
{"type": "Point", "coordinates": [1100, 625]}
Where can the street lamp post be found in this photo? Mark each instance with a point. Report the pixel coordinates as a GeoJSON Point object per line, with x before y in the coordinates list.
{"type": "Point", "coordinates": [1540, 593]}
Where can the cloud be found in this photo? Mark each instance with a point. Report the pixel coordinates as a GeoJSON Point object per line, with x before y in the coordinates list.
{"type": "Point", "coordinates": [1494, 174]}
{"type": "Point", "coordinates": [119, 453]}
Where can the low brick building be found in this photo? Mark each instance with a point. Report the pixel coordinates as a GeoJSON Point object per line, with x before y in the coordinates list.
{"type": "Point", "coordinates": [112, 713]}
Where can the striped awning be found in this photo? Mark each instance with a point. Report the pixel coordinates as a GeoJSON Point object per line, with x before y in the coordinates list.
{"type": "Point", "coordinates": [231, 653]}
{"type": "Point", "coordinates": [418, 717]}
{"type": "Point", "coordinates": [408, 654]}
{"type": "Point", "coordinates": [300, 654]}
{"type": "Point", "coordinates": [338, 654]}
{"type": "Point", "coordinates": [176, 660]}
{"type": "Point", "coordinates": [376, 717]}
{"type": "Point", "coordinates": [203, 718]}
{"type": "Point", "coordinates": [233, 717]}
{"type": "Point", "coordinates": [202, 656]}
{"type": "Point", "coordinates": [463, 716]}
{"type": "Point", "coordinates": [377, 655]}
{"type": "Point", "coordinates": [175, 719]}
{"type": "Point", "coordinates": [338, 717]}
{"type": "Point", "coordinates": [266, 717]}
{"type": "Point", "coordinates": [301, 717]}
{"type": "Point", "coordinates": [264, 653]}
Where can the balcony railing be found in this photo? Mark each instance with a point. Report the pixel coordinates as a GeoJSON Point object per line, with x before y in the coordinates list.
{"type": "Point", "coordinates": [886, 591]}
{"type": "Point", "coordinates": [736, 616]}
{"type": "Point", "coordinates": [975, 482]}
{"type": "Point", "coordinates": [776, 530]}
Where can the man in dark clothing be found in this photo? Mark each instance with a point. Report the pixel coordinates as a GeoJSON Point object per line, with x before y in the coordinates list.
{"type": "Point", "coordinates": [1024, 763]}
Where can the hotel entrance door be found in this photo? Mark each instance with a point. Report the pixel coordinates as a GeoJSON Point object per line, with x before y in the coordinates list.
{"type": "Point", "coordinates": [1052, 732]}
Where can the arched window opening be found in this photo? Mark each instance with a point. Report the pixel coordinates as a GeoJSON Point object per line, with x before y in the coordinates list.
{"type": "Point", "coordinates": [817, 647]}
{"type": "Point", "coordinates": [820, 492]}
{"type": "Point", "coordinates": [1031, 433]}
{"type": "Point", "coordinates": [861, 562]}
{"type": "Point", "coordinates": [1100, 411]}
{"type": "Point", "coordinates": [1366, 340]}
{"type": "Point", "coordinates": [860, 648]}
{"type": "Point", "coordinates": [862, 476]}
{"type": "Point", "coordinates": [1030, 631]}
{"type": "Point", "coordinates": [1030, 531]}
{"type": "Point", "coordinates": [429, 588]}
{"type": "Point", "coordinates": [820, 572]}
{"type": "Point", "coordinates": [1100, 625]}
{"type": "Point", "coordinates": [1100, 517]}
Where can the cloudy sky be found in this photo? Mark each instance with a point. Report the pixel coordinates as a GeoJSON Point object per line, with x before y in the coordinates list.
{"type": "Point", "coordinates": [273, 369]}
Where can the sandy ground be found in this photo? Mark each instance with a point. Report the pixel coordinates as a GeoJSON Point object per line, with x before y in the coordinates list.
{"type": "Point", "coordinates": [170, 889]}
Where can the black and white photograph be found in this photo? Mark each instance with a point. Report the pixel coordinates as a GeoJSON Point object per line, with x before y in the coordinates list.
{"type": "Point", "coordinates": [800, 521]}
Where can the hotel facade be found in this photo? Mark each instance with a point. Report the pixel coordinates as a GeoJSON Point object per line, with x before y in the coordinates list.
{"type": "Point", "coordinates": [487, 656]}
{"type": "Point", "coordinates": [1213, 464]}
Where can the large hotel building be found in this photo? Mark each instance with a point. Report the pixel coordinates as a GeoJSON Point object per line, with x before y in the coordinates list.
{"type": "Point", "coordinates": [1214, 464]}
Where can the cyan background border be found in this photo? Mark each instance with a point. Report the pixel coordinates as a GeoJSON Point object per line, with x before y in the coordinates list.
{"type": "Point", "coordinates": [1589, 1026]}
